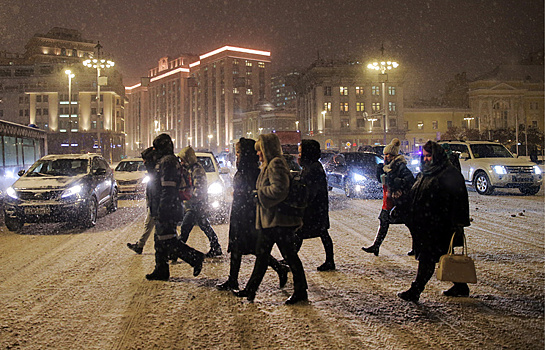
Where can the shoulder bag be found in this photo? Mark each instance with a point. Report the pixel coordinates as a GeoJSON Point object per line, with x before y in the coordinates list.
{"type": "Point", "coordinates": [458, 268]}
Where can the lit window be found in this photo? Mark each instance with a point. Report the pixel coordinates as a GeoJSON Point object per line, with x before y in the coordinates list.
{"type": "Point", "coordinates": [392, 106]}
{"type": "Point", "coordinates": [343, 90]}
{"type": "Point", "coordinates": [261, 64]}
{"type": "Point", "coordinates": [375, 106]}
{"type": "Point", "coordinates": [420, 125]}
{"type": "Point", "coordinates": [359, 91]}
{"type": "Point", "coordinates": [375, 90]}
{"type": "Point", "coordinates": [249, 92]}
{"type": "Point", "coordinates": [327, 106]}
{"type": "Point", "coordinates": [248, 64]}
{"type": "Point", "coordinates": [360, 106]}
{"type": "Point", "coordinates": [391, 90]}
{"type": "Point", "coordinates": [344, 106]}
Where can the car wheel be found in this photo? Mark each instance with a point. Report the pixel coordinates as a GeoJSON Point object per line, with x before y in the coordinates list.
{"type": "Point", "coordinates": [482, 184]}
{"type": "Point", "coordinates": [348, 189]}
{"type": "Point", "coordinates": [13, 224]}
{"type": "Point", "coordinates": [529, 190]}
{"type": "Point", "coordinates": [113, 203]}
{"type": "Point", "coordinates": [89, 215]}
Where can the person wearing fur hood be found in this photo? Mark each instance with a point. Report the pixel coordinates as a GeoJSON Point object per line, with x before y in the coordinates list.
{"type": "Point", "coordinates": [397, 181]}
{"type": "Point", "coordinates": [196, 206]}
{"type": "Point", "coordinates": [275, 227]}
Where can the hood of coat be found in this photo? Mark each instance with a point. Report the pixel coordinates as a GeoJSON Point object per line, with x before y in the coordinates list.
{"type": "Point", "coordinates": [187, 154]}
{"type": "Point", "coordinates": [270, 146]}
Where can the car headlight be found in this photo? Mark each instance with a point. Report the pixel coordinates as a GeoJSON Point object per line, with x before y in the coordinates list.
{"type": "Point", "coordinates": [499, 169]}
{"type": "Point", "coordinates": [11, 192]}
{"type": "Point", "coordinates": [415, 161]}
{"type": "Point", "coordinates": [358, 177]}
{"type": "Point", "coordinates": [215, 188]}
{"type": "Point", "coordinates": [72, 191]}
{"type": "Point", "coordinates": [537, 170]}
{"type": "Point", "coordinates": [146, 179]}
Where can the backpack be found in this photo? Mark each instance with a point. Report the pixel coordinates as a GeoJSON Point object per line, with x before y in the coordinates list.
{"type": "Point", "coordinates": [297, 199]}
{"type": "Point", "coordinates": [186, 186]}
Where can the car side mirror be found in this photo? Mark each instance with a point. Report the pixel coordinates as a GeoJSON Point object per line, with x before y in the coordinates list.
{"type": "Point", "coordinates": [21, 172]}
{"type": "Point", "coordinates": [99, 171]}
{"type": "Point", "coordinates": [464, 155]}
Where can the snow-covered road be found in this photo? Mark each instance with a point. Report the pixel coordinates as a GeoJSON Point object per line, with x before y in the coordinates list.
{"type": "Point", "coordinates": [66, 288]}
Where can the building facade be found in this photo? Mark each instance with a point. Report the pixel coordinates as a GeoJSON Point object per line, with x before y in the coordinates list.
{"type": "Point", "coordinates": [36, 90]}
{"type": "Point", "coordinates": [341, 104]}
{"type": "Point", "coordinates": [196, 98]}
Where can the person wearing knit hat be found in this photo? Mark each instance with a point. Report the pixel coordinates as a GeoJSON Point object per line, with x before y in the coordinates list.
{"type": "Point", "coordinates": [397, 181]}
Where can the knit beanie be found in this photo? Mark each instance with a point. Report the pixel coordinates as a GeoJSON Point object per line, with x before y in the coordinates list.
{"type": "Point", "coordinates": [393, 147]}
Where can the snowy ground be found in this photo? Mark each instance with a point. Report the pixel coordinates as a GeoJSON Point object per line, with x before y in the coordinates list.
{"type": "Point", "coordinates": [65, 288]}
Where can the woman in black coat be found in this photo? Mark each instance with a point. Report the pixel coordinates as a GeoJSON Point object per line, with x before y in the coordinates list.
{"type": "Point", "coordinates": [242, 231]}
{"type": "Point", "coordinates": [316, 215]}
{"type": "Point", "coordinates": [439, 208]}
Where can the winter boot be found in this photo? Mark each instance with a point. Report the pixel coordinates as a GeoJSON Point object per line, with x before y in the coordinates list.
{"type": "Point", "coordinates": [381, 234]}
{"type": "Point", "coordinates": [214, 251]}
{"type": "Point", "coordinates": [159, 274]}
{"type": "Point", "coordinates": [134, 247]}
{"type": "Point", "coordinates": [281, 269]}
{"type": "Point", "coordinates": [329, 263]}
{"type": "Point", "coordinates": [457, 290]}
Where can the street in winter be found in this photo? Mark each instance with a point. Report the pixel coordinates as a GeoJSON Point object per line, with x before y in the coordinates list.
{"type": "Point", "coordinates": [70, 288]}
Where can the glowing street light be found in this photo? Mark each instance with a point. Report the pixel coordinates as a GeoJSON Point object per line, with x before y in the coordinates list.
{"type": "Point", "coordinates": [323, 120]}
{"type": "Point", "coordinates": [209, 140]}
{"type": "Point", "coordinates": [383, 66]}
{"type": "Point", "coordinates": [297, 125]}
{"type": "Point", "coordinates": [468, 119]}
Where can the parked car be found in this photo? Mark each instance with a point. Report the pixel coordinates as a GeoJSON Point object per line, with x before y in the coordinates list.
{"type": "Point", "coordinates": [355, 173]}
{"type": "Point", "coordinates": [487, 165]}
{"type": "Point", "coordinates": [220, 189]}
{"type": "Point", "coordinates": [59, 188]}
{"type": "Point", "coordinates": [131, 176]}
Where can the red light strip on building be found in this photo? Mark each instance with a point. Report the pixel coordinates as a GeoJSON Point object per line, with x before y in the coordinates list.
{"type": "Point", "coordinates": [237, 49]}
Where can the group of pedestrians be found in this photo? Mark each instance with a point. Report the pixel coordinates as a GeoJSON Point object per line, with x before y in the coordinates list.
{"type": "Point", "coordinates": [434, 206]}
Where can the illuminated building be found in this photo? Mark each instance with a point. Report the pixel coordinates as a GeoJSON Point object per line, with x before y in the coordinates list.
{"type": "Point", "coordinates": [195, 98]}
{"type": "Point", "coordinates": [34, 90]}
{"type": "Point", "coordinates": [339, 104]}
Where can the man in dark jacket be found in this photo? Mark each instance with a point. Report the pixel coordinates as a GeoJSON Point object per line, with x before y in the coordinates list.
{"type": "Point", "coordinates": [166, 207]}
{"type": "Point", "coordinates": [439, 208]}
{"type": "Point", "coordinates": [397, 181]}
{"type": "Point", "coordinates": [316, 215]}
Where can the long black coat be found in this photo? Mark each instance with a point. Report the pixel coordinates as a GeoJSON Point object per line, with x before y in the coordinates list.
{"type": "Point", "coordinates": [439, 207]}
{"type": "Point", "coordinates": [242, 231]}
{"type": "Point", "coordinates": [316, 215]}
{"type": "Point", "coordinates": [398, 178]}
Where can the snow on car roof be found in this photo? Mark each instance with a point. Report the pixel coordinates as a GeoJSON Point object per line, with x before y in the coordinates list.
{"type": "Point", "coordinates": [71, 156]}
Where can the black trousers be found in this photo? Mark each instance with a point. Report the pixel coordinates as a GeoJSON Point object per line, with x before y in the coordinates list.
{"type": "Point", "coordinates": [284, 238]}
{"type": "Point", "coordinates": [198, 217]}
{"type": "Point", "coordinates": [166, 249]}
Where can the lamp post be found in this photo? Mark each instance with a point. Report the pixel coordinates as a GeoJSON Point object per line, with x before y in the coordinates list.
{"type": "Point", "coordinates": [468, 119]}
{"type": "Point", "coordinates": [189, 140]}
{"type": "Point", "coordinates": [209, 140]}
{"type": "Point", "coordinates": [99, 64]}
{"type": "Point", "coordinates": [260, 131]}
{"type": "Point", "coordinates": [383, 66]}
{"type": "Point", "coordinates": [70, 76]}
{"type": "Point", "coordinates": [323, 121]}
{"type": "Point", "coordinates": [296, 125]}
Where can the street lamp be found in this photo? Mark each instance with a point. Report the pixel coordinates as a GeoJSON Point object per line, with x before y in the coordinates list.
{"type": "Point", "coordinates": [189, 140]}
{"type": "Point", "coordinates": [297, 125]}
{"type": "Point", "coordinates": [468, 119]}
{"type": "Point", "coordinates": [99, 64]}
{"type": "Point", "coordinates": [70, 76]}
{"type": "Point", "coordinates": [383, 66]}
{"type": "Point", "coordinates": [323, 120]}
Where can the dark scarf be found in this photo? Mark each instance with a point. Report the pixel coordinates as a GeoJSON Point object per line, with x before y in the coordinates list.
{"type": "Point", "coordinates": [439, 159]}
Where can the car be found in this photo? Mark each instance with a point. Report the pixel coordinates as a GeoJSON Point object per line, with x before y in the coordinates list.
{"type": "Point", "coordinates": [293, 163]}
{"type": "Point", "coordinates": [61, 188]}
{"type": "Point", "coordinates": [220, 189]}
{"type": "Point", "coordinates": [488, 165]}
{"type": "Point", "coordinates": [131, 176]}
{"type": "Point", "coordinates": [355, 173]}
{"type": "Point", "coordinates": [326, 156]}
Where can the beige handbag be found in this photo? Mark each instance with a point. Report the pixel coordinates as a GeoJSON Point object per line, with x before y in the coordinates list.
{"type": "Point", "coordinates": [458, 268]}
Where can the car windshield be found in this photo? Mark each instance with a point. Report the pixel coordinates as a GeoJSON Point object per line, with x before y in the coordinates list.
{"type": "Point", "coordinates": [59, 167]}
{"type": "Point", "coordinates": [361, 159]}
{"type": "Point", "coordinates": [207, 163]}
{"type": "Point", "coordinates": [490, 151]}
{"type": "Point", "coordinates": [130, 165]}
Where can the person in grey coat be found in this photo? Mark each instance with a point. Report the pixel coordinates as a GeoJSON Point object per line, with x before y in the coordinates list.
{"type": "Point", "coordinates": [275, 227]}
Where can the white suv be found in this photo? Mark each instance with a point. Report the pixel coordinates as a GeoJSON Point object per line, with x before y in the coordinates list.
{"type": "Point", "coordinates": [220, 188]}
{"type": "Point", "coordinates": [487, 165]}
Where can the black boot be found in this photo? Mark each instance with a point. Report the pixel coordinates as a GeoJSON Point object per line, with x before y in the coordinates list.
{"type": "Point", "coordinates": [159, 274]}
{"type": "Point", "coordinates": [381, 234]}
{"type": "Point", "coordinates": [329, 263]}
{"type": "Point", "coordinates": [281, 269]}
{"type": "Point", "coordinates": [297, 297]}
{"type": "Point", "coordinates": [457, 290]}
{"type": "Point", "coordinates": [134, 247]}
{"type": "Point", "coordinates": [227, 285]}
{"type": "Point", "coordinates": [410, 295]}
{"type": "Point", "coordinates": [214, 251]}
{"type": "Point", "coordinates": [245, 294]}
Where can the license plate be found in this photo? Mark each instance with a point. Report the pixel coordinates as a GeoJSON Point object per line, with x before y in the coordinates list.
{"type": "Point", "coordinates": [522, 179]}
{"type": "Point", "coordinates": [37, 211]}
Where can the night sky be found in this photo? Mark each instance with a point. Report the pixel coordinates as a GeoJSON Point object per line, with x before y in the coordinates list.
{"type": "Point", "coordinates": [433, 39]}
